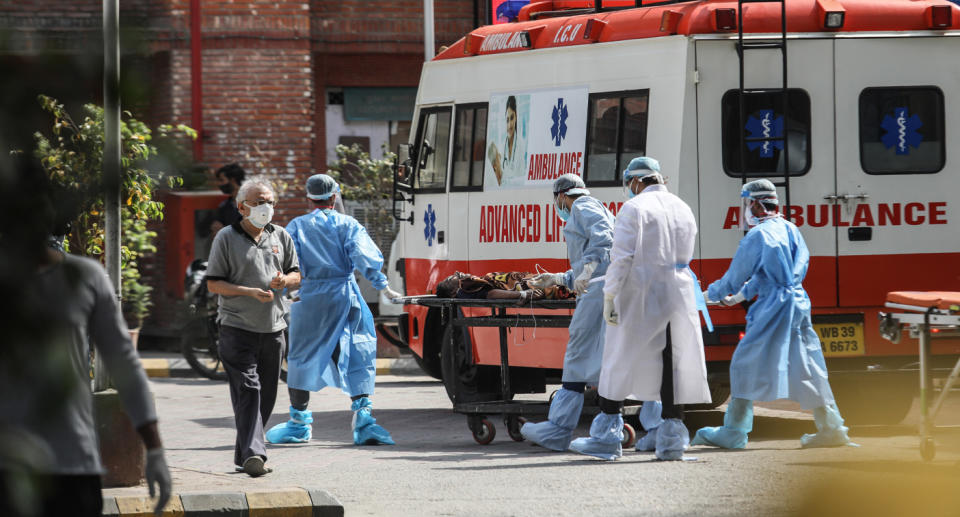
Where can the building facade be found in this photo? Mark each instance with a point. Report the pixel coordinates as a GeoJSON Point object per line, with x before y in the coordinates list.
{"type": "Point", "coordinates": [273, 85]}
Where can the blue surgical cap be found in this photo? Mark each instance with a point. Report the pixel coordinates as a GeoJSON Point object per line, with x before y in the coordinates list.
{"type": "Point", "coordinates": [641, 167]}
{"type": "Point", "coordinates": [321, 186]}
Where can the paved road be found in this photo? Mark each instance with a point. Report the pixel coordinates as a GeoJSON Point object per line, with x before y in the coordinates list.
{"type": "Point", "coordinates": [437, 469]}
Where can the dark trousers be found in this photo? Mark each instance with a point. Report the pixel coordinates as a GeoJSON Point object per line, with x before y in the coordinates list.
{"type": "Point", "coordinates": [49, 495]}
{"type": "Point", "coordinates": [670, 410]}
{"type": "Point", "coordinates": [252, 362]}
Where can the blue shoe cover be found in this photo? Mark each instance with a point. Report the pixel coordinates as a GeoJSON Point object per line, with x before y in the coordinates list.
{"type": "Point", "coordinates": [650, 419]}
{"type": "Point", "coordinates": [647, 442]}
{"type": "Point", "coordinates": [606, 433]}
{"type": "Point", "coordinates": [830, 429]}
{"type": "Point", "coordinates": [737, 422]}
{"type": "Point", "coordinates": [672, 439]}
{"type": "Point", "coordinates": [557, 432]}
{"type": "Point", "coordinates": [650, 413]}
{"type": "Point", "coordinates": [295, 430]}
{"type": "Point", "coordinates": [365, 428]}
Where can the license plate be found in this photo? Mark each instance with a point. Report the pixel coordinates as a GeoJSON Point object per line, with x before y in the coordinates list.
{"type": "Point", "coordinates": [841, 339]}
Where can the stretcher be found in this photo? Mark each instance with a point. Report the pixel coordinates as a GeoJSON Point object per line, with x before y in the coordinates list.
{"type": "Point", "coordinates": [514, 412]}
{"type": "Point", "coordinates": [926, 315]}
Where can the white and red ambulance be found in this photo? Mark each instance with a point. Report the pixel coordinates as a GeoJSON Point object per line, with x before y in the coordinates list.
{"type": "Point", "coordinates": [871, 137]}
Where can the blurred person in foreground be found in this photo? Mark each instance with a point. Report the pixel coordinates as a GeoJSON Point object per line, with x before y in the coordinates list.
{"type": "Point", "coordinates": [61, 305]}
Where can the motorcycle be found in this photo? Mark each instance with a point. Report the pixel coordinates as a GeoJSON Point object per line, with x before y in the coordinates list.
{"type": "Point", "coordinates": [200, 338]}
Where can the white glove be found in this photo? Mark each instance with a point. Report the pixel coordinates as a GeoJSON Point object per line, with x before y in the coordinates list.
{"type": "Point", "coordinates": [391, 294]}
{"type": "Point", "coordinates": [581, 282]}
{"type": "Point", "coordinates": [733, 299]}
{"type": "Point", "coordinates": [706, 297]}
{"type": "Point", "coordinates": [609, 313]}
{"type": "Point", "coordinates": [158, 473]}
{"type": "Point", "coordinates": [544, 280]}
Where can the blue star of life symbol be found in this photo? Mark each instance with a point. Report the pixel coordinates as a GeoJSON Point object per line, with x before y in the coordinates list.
{"type": "Point", "coordinates": [901, 131]}
{"type": "Point", "coordinates": [558, 131]}
{"type": "Point", "coordinates": [765, 125]}
{"type": "Point", "coordinates": [430, 220]}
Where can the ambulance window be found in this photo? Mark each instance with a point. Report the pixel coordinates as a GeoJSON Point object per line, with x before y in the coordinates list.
{"type": "Point", "coordinates": [616, 134]}
{"type": "Point", "coordinates": [764, 119]}
{"type": "Point", "coordinates": [469, 142]}
{"type": "Point", "coordinates": [433, 141]}
{"type": "Point", "coordinates": [901, 130]}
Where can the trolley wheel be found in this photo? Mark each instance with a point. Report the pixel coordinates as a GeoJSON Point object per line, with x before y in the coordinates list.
{"type": "Point", "coordinates": [927, 449]}
{"type": "Point", "coordinates": [485, 432]}
{"type": "Point", "coordinates": [629, 436]}
{"type": "Point", "coordinates": [514, 423]}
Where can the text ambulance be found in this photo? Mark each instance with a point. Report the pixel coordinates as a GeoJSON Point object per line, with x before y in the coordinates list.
{"type": "Point", "coordinates": [873, 140]}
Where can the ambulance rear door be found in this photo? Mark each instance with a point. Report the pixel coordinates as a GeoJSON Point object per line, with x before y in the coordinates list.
{"type": "Point", "coordinates": [898, 119]}
{"type": "Point", "coordinates": [811, 153]}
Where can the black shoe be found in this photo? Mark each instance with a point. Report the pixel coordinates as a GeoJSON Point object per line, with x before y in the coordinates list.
{"type": "Point", "coordinates": [254, 467]}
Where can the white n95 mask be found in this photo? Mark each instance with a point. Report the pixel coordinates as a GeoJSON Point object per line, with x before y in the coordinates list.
{"type": "Point", "coordinates": [260, 215]}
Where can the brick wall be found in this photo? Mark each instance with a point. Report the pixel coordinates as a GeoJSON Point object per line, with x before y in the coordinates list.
{"type": "Point", "coordinates": [266, 67]}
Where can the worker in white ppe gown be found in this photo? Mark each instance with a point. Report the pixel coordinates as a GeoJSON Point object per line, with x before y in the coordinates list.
{"type": "Point", "coordinates": [588, 230]}
{"type": "Point", "coordinates": [653, 348]}
{"type": "Point", "coordinates": [332, 338]}
{"type": "Point", "coordinates": [779, 356]}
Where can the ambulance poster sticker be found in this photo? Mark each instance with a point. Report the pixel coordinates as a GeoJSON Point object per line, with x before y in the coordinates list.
{"type": "Point", "coordinates": [533, 137]}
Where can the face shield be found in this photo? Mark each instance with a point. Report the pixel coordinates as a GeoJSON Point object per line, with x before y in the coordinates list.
{"type": "Point", "coordinates": [747, 201]}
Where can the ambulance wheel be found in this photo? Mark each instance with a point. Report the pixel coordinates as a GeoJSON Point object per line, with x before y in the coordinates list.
{"type": "Point", "coordinates": [464, 380]}
{"type": "Point", "coordinates": [429, 362]}
{"type": "Point", "coordinates": [514, 423]}
{"type": "Point", "coordinates": [719, 393]}
{"type": "Point", "coordinates": [879, 398]}
{"type": "Point", "coordinates": [629, 436]}
{"type": "Point", "coordinates": [927, 449]}
{"type": "Point", "coordinates": [485, 432]}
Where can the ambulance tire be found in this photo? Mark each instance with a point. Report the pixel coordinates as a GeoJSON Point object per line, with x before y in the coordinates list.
{"type": "Point", "coordinates": [719, 393]}
{"type": "Point", "coordinates": [432, 340]}
{"type": "Point", "coordinates": [874, 399]}
{"type": "Point", "coordinates": [463, 380]}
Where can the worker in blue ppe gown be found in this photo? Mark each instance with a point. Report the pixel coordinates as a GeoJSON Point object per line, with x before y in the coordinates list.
{"type": "Point", "coordinates": [588, 230]}
{"type": "Point", "coordinates": [332, 338]}
{"type": "Point", "coordinates": [779, 356]}
{"type": "Point", "coordinates": [653, 349]}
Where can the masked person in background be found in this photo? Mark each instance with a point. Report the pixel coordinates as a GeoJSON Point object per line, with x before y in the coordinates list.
{"type": "Point", "coordinates": [653, 348]}
{"type": "Point", "coordinates": [332, 338]}
{"type": "Point", "coordinates": [250, 264]}
{"type": "Point", "coordinates": [779, 356]}
{"type": "Point", "coordinates": [588, 230]}
{"type": "Point", "coordinates": [230, 178]}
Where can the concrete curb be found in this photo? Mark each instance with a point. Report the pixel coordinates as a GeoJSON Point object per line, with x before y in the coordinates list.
{"type": "Point", "coordinates": [281, 502]}
{"type": "Point", "coordinates": [398, 366]}
{"type": "Point", "coordinates": [164, 367]}
{"type": "Point", "coordinates": [167, 367]}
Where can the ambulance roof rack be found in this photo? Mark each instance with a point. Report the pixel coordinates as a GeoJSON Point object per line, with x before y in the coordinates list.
{"type": "Point", "coordinates": [556, 8]}
{"type": "Point", "coordinates": [780, 178]}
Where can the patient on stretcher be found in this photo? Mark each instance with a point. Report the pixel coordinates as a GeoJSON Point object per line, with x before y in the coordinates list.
{"type": "Point", "coordinates": [512, 285]}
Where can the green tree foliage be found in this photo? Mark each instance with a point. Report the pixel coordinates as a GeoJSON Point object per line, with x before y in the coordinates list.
{"type": "Point", "coordinates": [72, 155]}
{"type": "Point", "coordinates": [369, 182]}
{"type": "Point", "coordinates": [362, 178]}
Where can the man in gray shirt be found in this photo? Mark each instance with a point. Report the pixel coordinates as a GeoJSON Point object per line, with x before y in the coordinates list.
{"type": "Point", "coordinates": [250, 264]}
{"type": "Point", "coordinates": [60, 305]}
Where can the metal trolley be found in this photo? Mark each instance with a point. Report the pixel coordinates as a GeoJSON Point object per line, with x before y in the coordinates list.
{"type": "Point", "coordinates": [927, 315]}
{"type": "Point", "coordinates": [514, 412]}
